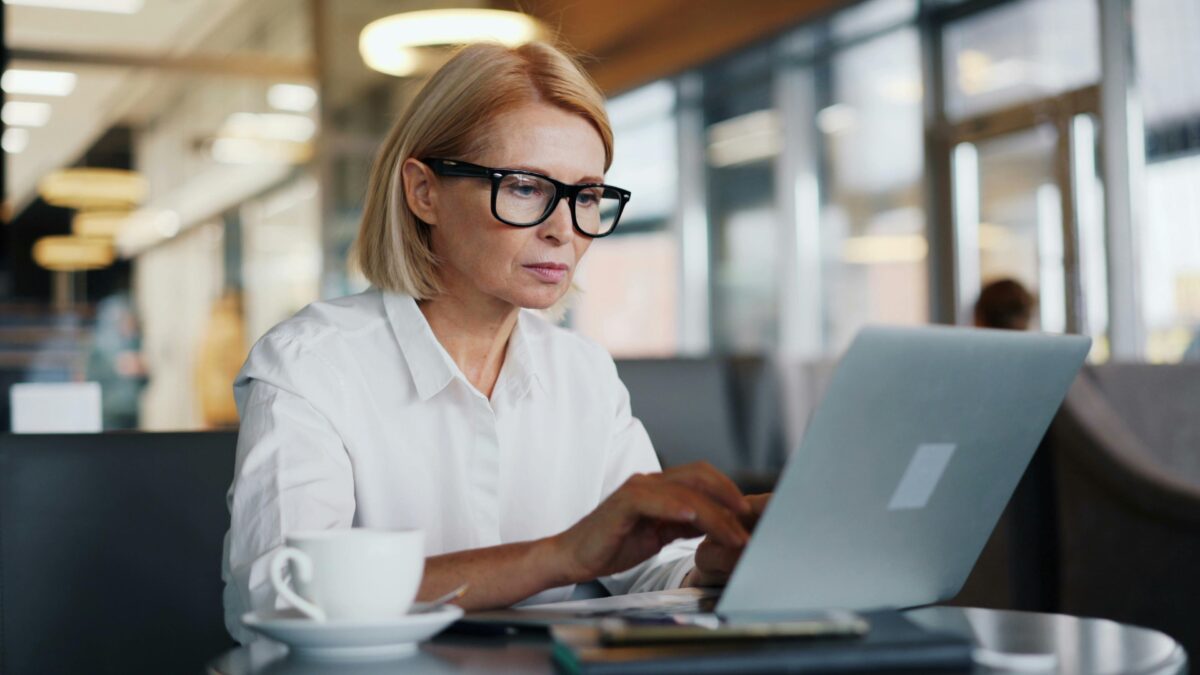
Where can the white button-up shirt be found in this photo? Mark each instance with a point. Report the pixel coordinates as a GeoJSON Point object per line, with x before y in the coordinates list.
{"type": "Point", "coordinates": [354, 415]}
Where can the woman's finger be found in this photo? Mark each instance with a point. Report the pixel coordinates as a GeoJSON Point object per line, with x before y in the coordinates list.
{"type": "Point", "coordinates": [669, 532]}
{"type": "Point", "coordinates": [641, 496]}
{"type": "Point", "coordinates": [758, 504]}
{"type": "Point", "coordinates": [712, 517]}
{"type": "Point", "coordinates": [703, 476]}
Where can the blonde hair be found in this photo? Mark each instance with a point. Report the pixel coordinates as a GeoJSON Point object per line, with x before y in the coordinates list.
{"type": "Point", "coordinates": [449, 118]}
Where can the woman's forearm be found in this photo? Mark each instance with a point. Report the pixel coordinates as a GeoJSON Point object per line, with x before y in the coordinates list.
{"type": "Point", "coordinates": [497, 576]}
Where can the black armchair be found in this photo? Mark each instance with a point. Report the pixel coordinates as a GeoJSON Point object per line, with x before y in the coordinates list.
{"type": "Point", "coordinates": [110, 551]}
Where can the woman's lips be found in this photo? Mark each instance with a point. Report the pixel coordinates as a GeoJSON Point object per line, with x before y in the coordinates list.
{"type": "Point", "coordinates": [551, 273]}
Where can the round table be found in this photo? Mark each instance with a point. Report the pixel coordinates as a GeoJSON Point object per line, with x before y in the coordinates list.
{"type": "Point", "coordinates": [1006, 641]}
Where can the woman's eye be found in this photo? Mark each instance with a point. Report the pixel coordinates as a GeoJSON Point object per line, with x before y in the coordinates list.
{"type": "Point", "coordinates": [524, 190]}
{"type": "Point", "coordinates": [588, 199]}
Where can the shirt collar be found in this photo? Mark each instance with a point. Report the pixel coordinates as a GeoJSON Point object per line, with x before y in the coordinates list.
{"type": "Point", "coordinates": [430, 364]}
{"type": "Point", "coordinates": [521, 361]}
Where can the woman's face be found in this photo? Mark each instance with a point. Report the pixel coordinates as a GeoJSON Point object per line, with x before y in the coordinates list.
{"type": "Point", "coordinates": [522, 266]}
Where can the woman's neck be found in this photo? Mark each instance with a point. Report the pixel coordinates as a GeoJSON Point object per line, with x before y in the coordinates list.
{"type": "Point", "coordinates": [474, 330]}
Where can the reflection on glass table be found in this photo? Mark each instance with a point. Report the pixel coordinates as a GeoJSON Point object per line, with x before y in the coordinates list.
{"type": "Point", "coordinates": [1006, 641]}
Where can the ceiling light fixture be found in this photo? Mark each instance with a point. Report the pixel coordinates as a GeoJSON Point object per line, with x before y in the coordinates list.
{"type": "Point", "coordinates": [102, 224]}
{"type": "Point", "coordinates": [292, 97]}
{"type": "Point", "coordinates": [37, 82]}
{"type": "Point", "coordinates": [73, 254]}
{"type": "Point", "coordinates": [107, 6]}
{"type": "Point", "coordinates": [882, 249]}
{"type": "Point", "coordinates": [144, 228]}
{"type": "Point", "coordinates": [268, 126]}
{"type": "Point", "coordinates": [90, 188]}
{"type": "Point", "coordinates": [15, 140]}
{"type": "Point", "coordinates": [390, 45]}
{"type": "Point", "coordinates": [744, 139]}
{"type": "Point", "coordinates": [837, 118]}
{"type": "Point", "coordinates": [260, 151]}
{"type": "Point", "coordinates": [25, 114]}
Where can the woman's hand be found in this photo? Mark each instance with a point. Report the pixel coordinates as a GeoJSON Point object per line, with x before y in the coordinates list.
{"type": "Point", "coordinates": [649, 511]}
{"type": "Point", "coordinates": [714, 560]}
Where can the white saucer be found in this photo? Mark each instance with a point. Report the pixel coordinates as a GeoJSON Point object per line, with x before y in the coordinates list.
{"type": "Point", "coordinates": [350, 640]}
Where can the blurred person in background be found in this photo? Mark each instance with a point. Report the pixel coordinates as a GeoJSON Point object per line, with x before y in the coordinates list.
{"type": "Point", "coordinates": [115, 361]}
{"type": "Point", "coordinates": [1004, 304]}
{"type": "Point", "coordinates": [437, 400]}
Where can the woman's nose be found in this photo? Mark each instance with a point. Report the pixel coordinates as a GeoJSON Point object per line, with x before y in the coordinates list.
{"type": "Point", "coordinates": [558, 227]}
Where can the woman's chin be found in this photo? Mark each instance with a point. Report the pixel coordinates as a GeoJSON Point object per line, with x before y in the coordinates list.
{"type": "Point", "coordinates": [541, 298]}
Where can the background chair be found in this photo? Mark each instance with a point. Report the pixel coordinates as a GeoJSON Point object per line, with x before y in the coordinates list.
{"type": "Point", "coordinates": [801, 385]}
{"type": "Point", "coordinates": [1127, 468]}
{"type": "Point", "coordinates": [686, 405]}
{"type": "Point", "coordinates": [1019, 566]}
{"type": "Point", "coordinates": [1106, 521]}
{"type": "Point", "coordinates": [110, 551]}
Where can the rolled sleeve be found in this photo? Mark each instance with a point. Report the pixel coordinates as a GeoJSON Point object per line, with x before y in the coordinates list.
{"type": "Point", "coordinates": [292, 473]}
{"type": "Point", "coordinates": [631, 452]}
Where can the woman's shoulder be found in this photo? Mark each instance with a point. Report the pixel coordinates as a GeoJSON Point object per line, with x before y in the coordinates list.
{"type": "Point", "coordinates": [322, 329]}
{"type": "Point", "coordinates": [331, 319]}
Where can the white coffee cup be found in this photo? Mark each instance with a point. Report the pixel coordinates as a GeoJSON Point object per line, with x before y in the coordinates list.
{"type": "Point", "coordinates": [354, 574]}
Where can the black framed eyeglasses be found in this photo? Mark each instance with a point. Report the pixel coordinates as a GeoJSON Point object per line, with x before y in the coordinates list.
{"type": "Point", "coordinates": [525, 198]}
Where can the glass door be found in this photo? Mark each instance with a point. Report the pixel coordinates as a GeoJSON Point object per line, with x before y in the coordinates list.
{"type": "Point", "coordinates": [1028, 206]}
{"type": "Point", "coordinates": [1008, 213]}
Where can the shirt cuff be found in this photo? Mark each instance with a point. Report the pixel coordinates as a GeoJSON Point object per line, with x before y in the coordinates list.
{"type": "Point", "coordinates": [681, 568]}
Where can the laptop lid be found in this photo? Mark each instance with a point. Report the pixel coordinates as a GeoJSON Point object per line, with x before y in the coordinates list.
{"type": "Point", "coordinates": [904, 470]}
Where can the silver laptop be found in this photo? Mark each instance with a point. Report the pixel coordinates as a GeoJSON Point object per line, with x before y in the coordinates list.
{"type": "Point", "coordinates": [901, 476]}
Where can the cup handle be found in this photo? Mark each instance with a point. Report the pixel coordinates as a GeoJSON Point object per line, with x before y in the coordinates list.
{"type": "Point", "coordinates": [304, 571]}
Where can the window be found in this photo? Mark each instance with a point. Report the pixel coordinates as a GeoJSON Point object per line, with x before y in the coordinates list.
{"type": "Point", "coordinates": [873, 239]}
{"type": "Point", "coordinates": [1018, 52]}
{"type": "Point", "coordinates": [1166, 51]}
{"type": "Point", "coordinates": [628, 298]}
{"type": "Point", "coordinates": [743, 139]}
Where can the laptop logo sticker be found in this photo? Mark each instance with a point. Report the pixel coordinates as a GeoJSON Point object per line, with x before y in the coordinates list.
{"type": "Point", "coordinates": [922, 476]}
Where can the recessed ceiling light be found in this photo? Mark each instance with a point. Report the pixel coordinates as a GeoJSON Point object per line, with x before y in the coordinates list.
{"type": "Point", "coordinates": [259, 151]}
{"type": "Point", "coordinates": [108, 6]}
{"type": "Point", "coordinates": [269, 126]}
{"type": "Point", "coordinates": [837, 118]}
{"type": "Point", "coordinates": [747, 138]}
{"type": "Point", "coordinates": [25, 114]}
{"type": "Point", "coordinates": [37, 82]}
{"type": "Point", "coordinates": [387, 44]}
{"type": "Point", "coordinates": [15, 140]}
{"type": "Point", "coordinates": [292, 97]}
{"type": "Point", "coordinates": [104, 224]}
{"type": "Point", "coordinates": [884, 248]}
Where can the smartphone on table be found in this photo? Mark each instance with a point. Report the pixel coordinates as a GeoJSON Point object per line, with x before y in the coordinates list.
{"type": "Point", "coordinates": [832, 623]}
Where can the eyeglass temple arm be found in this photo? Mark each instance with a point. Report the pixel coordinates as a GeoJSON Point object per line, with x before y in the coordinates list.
{"type": "Point", "coordinates": [449, 167]}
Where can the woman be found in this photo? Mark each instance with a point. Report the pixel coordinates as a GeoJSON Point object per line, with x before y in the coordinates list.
{"type": "Point", "coordinates": [435, 401]}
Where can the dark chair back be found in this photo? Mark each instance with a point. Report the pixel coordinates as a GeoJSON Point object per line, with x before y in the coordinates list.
{"type": "Point", "coordinates": [110, 551]}
{"type": "Point", "coordinates": [1019, 566]}
{"type": "Point", "coordinates": [1127, 451]}
{"type": "Point", "coordinates": [687, 407]}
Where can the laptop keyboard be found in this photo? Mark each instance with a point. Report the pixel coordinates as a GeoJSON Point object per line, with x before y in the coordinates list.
{"type": "Point", "coordinates": [657, 607]}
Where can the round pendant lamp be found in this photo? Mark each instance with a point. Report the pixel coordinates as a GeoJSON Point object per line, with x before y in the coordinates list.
{"type": "Point", "coordinates": [397, 44]}
{"type": "Point", "coordinates": [92, 188]}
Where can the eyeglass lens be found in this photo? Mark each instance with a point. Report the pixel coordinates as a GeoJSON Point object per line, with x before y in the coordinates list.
{"type": "Point", "coordinates": [523, 200]}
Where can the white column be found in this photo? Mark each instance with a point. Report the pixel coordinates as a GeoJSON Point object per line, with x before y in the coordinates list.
{"type": "Point", "coordinates": [691, 220]}
{"type": "Point", "coordinates": [1124, 157]}
{"type": "Point", "coordinates": [799, 232]}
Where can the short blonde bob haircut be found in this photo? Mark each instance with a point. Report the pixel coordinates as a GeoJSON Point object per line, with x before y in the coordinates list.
{"type": "Point", "coordinates": [450, 117]}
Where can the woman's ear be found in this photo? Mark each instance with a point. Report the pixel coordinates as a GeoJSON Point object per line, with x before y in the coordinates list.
{"type": "Point", "coordinates": [420, 190]}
